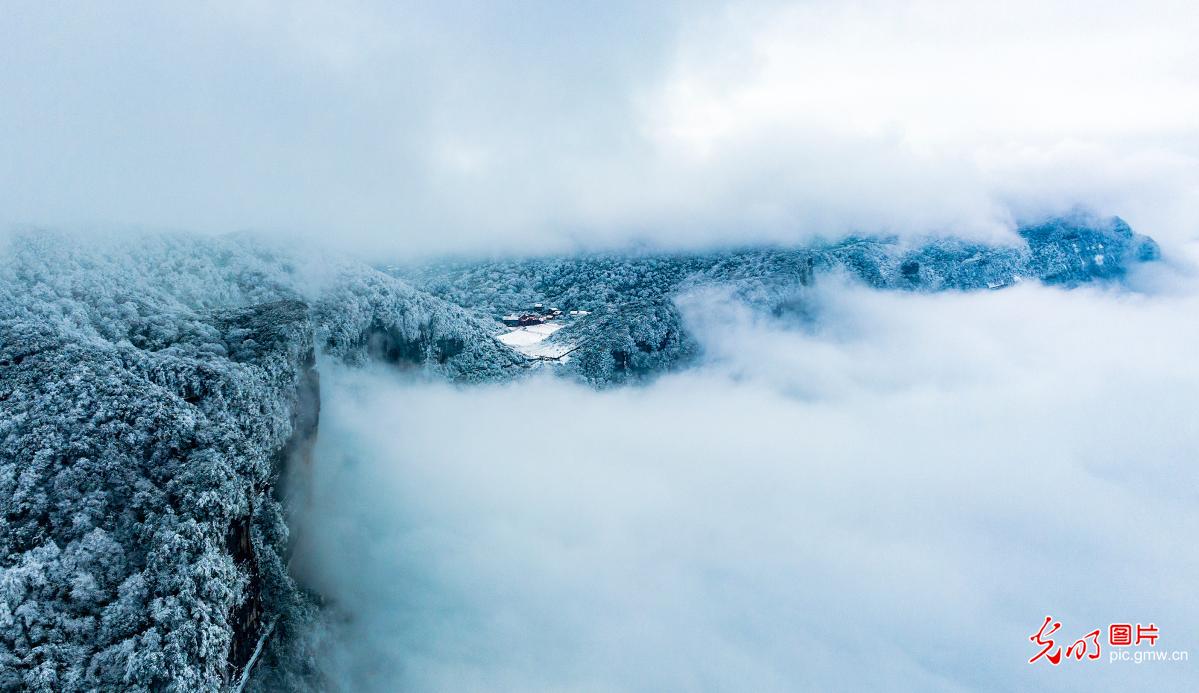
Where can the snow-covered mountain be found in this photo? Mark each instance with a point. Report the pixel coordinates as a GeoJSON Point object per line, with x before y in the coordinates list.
{"type": "Point", "coordinates": [635, 329]}
{"type": "Point", "coordinates": [153, 392]}
{"type": "Point", "coordinates": [156, 390]}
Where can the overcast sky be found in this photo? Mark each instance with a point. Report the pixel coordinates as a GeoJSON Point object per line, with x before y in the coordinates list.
{"type": "Point", "coordinates": [457, 126]}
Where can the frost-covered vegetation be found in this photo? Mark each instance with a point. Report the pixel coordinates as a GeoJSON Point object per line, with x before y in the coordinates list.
{"type": "Point", "coordinates": [154, 390]}
{"type": "Point", "coordinates": [635, 329]}
{"type": "Point", "coordinates": [152, 393]}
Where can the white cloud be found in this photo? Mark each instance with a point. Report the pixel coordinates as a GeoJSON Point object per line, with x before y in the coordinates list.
{"type": "Point", "coordinates": [938, 72]}
{"type": "Point", "coordinates": [892, 499]}
{"type": "Point", "coordinates": [938, 116]}
{"type": "Point", "coordinates": [473, 127]}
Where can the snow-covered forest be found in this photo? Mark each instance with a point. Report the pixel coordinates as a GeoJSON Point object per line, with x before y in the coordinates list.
{"type": "Point", "coordinates": [158, 390]}
{"type": "Point", "coordinates": [155, 391]}
{"type": "Point", "coordinates": [635, 329]}
{"type": "Point", "coordinates": [602, 347]}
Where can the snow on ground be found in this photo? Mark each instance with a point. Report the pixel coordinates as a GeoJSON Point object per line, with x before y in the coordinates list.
{"type": "Point", "coordinates": [532, 334]}
{"type": "Point", "coordinates": [529, 340]}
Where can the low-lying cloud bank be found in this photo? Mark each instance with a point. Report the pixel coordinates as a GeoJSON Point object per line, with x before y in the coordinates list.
{"type": "Point", "coordinates": [889, 497]}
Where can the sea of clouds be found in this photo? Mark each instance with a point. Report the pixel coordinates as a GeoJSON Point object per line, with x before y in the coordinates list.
{"type": "Point", "coordinates": [890, 495]}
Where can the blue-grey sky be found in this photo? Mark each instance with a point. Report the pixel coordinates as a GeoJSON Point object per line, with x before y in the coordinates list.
{"type": "Point", "coordinates": [401, 127]}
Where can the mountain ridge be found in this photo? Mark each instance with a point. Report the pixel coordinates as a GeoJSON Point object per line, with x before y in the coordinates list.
{"type": "Point", "coordinates": [157, 390]}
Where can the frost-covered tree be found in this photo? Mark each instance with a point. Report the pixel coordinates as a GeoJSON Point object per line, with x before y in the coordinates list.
{"type": "Point", "coordinates": [152, 392]}
{"type": "Point", "coordinates": [635, 332]}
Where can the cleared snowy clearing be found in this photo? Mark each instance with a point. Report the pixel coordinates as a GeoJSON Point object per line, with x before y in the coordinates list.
{"type": "Point", "coordinates": [530, 340]}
